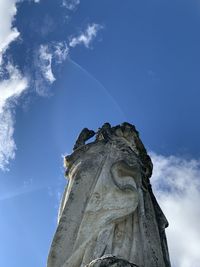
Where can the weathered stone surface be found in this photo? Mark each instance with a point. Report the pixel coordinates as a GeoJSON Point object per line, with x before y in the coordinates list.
{"type": "Point", "coordinates": [110, 261]}
{"type": "Point", "coordinates": [108, 206]}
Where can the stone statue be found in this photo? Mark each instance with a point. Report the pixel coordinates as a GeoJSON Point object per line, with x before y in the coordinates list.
{"type": "Point", "coordinates": [109, 215]}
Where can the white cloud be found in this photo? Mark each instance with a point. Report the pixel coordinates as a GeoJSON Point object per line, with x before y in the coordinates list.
{"type": "Point", "coordinates": [57, 52]}
{"type": "Point", "coordinates": [7, 144]}
{"type": "Point", "coordinates": [60, 51]}
{"type": "Point", "coordinates": [7, 33]}
{"type": "Point", "coordinates": [85, 37]}
{"type": "Point", "coordinates": [45, 59]}
{"type": "Point", "coordinates": [10, 90]}
{"type": "Point", "coordinates": [11, 87]}
{"type": "Point", "coordinates": [71, 4]}
{"type": "Point", "coordinates": [176, 183]}
{"type": "Point", "coordinates": [48, 54]}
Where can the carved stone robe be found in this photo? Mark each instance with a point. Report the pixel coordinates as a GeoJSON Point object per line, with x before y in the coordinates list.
{"type": "Point", "coordinates": [107, 208]}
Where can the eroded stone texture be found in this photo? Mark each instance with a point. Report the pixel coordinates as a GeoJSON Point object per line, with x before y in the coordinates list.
{"type": "Point", "coordinates": [108, 206]}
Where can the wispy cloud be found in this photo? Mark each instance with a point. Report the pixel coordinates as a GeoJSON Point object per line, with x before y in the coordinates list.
{"type": "Point", "coordinates": [85, 37]}
{"type": "Point", "coordinates": [10, 90]}
{"type": "Point", "coordinates": [55, 52]}
{"type": "Point", "coordinates": [7, 33]}
{"type": "Point", "coordinates": [45, 58]}
{"type": "Point", "coordinates": [12, 86]}
{"type": "Point", "coordinates": [7, 144]}
{"type": "Point", "coordinates": [177, 186]}
{"type": "Point", "coordinates": [60, 51]}
{"type": "Point", "coordinates": [71, 4]}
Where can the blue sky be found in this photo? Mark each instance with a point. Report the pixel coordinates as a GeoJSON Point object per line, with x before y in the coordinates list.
{"type": "Point", "coordinates": [66, 65]}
